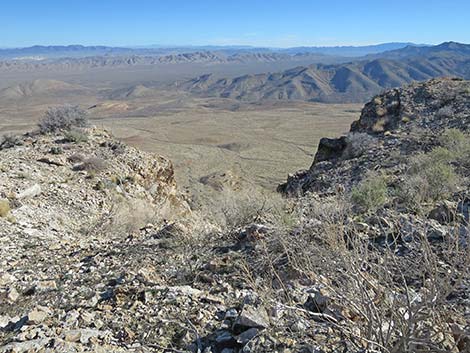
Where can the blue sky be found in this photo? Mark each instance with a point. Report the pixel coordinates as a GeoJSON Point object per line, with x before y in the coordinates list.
{"type": "Point", "coordinates": [242, 22]}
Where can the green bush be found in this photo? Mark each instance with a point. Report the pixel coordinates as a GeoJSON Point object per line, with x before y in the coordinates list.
{"type": "Point", "coordinates": [455, 140]}
{"type": "Point", "coordinates": [458, 143]}
{"type": "Point", "coordinates": [430, 178]}
{"type": "Point", "coordinates": [371, 193]}
{"type": "Point", "coordinates": [9, 141]}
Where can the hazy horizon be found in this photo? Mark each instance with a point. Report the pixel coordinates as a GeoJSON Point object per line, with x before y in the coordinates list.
{"type": "Point", "coordinates": [245, 23]}
{"type": "Point", "coordinates": [169, 46]}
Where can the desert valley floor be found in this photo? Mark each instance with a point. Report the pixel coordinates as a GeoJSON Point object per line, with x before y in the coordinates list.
{"type": "Point", "coordinates": [211, 141]}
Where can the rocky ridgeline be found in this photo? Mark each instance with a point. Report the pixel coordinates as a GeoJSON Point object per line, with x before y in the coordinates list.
{"type": "Point", "coordinates": [393, 126]}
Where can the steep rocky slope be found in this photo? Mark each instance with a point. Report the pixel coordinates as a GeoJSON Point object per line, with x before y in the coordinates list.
{"type": "Point", "coordinates": [399, 123]}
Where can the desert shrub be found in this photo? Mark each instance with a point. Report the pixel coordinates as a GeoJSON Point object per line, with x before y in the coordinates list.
{"type": "Point", "coordinates": [9, 141]}
{"type": "Point", "coordinates": [232, 210]}
{"type": "Point", "coordinates": [63, 118]}
{"type": "Point", "coordinates": [457, 142]}
{"type": "Point", "coordinates": [357, 144]}
{"type": "Point", "coordinates": [371, 193]}
{"type": "Point", "coordinates": [454, 140]}
{"type": "Point", "coordinates": [445, 112]}
{"type": "Point", "coordinates": [56, 150]}
{"type": "Point", "coordinates": [116, 146]}
{"type": "Point", "coordinates": [430, 178]}
{"type": "Point", "coordinates": [4, 208]}
{"type": "Point", "coordinates": [76, 158]}
{"type": "Point", "coordinates": [75, 136]}
{"type": "Point", "coordinates": [384, 301]}
{"type": "Point", "coordinates": [92, 164]}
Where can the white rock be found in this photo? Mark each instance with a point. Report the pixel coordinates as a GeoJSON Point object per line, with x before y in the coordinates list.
{"type": "Point", "coordinates": [13, 295]}
{"type": "Point", "coordinates": [30, 192]}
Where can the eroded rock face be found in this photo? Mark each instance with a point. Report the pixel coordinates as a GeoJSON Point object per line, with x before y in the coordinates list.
{"type": "Point", "coordinates": [401, 122]}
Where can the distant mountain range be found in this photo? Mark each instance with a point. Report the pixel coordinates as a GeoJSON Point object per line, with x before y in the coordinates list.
{"type": "Point", "coordinates": [75, 51]}
{"type": "Point", "coordinates": [326, 80]}
{"type": "Point", "coordinates": [205, 57]}
{"type": "Point", "coordinates": [351, 82]}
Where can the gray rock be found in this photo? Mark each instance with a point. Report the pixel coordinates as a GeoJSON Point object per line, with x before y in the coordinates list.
{"type": "Point", "coordinates": [317, 303]}
{"type": "Point", "coordinates": [246, 336]}
{"type": "Point", "coordinates": [253, 317]}
{"type": "Point", "coordinates": [231, 314]}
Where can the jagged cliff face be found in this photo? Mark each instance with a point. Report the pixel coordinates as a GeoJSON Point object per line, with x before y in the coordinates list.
{"type": "Point", "coordinates": [394, 125]}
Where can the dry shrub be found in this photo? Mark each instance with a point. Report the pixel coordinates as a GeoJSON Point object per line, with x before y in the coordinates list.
{"type": "Point", "coordinates": [62, 119]}
{"type": "Point", "coordinates": [357, 144]}
{"type": "Point", "coordinates": [4, 208]}
{"type": "Point", "coordinates": [458, 144]}
{"type": "Point", "coordinates": [75, 136]}
{"type": "Point", "coordinates": [430, 178]}
{"type": "Point", "coordinates": [10, 141]}
{"type": "Point", "coordinates": [233, 210]}
{"type": "Point", "coordinates": [126, 216]}
{"type": "Point", "coordinates": [92, 164]}
{"type": "Point", "coordinates": [385, 300]}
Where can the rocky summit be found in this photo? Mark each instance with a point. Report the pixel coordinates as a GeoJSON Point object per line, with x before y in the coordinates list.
{"type": "Point", "coordinates": [367, 253]}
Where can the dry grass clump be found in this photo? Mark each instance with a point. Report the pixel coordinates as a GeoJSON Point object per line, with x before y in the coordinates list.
{"type": "Point", "coordinates": [4, 208]}
{"type": "Point", "coordinates": [92, 164]}
{"type": "Point", "coordinates": [9, 141]}
{"type": "Point", "coordinates": [62, 119]}
{"type": "Point", "coordinates": [233, 210]}
{"type": "Point", "coordinates": [75, 136]}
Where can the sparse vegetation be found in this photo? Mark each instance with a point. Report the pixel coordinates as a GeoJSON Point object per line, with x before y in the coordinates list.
{"type": "Point", "coordinates": [63, 119]}
{"type": "Point", "coordinates": [428, 180]}
{"type": "Point", "coordinates": [92, 165]}
{"type": "Point", "coordinates": [75, 136]}
{"type": "Point", "coordinates": [432, 176]}
{"type": "Point", "coordinates": [445, 112]}
{"type": "Point", "coordinates": [371, 193]}
{"type": "Point", "coordinates": [4, 208]}
{"type": "Point", "coordinates": [9, 141]}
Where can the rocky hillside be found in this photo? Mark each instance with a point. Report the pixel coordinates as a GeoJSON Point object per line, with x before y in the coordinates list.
{"type": "Point", "coordinates": [100, 253]}
{"type": "Point", "coordinates": [399, 123]}
{"type": "Point", "coordinates": [350, 82]}
{"type": "Point", "coordinates": [404, 171]}
{"type": "Point", "coordinates": [66, 200]}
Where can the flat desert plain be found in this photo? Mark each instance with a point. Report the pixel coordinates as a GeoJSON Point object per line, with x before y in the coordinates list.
{"type": "Point", "coordinates": [212, 142]}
